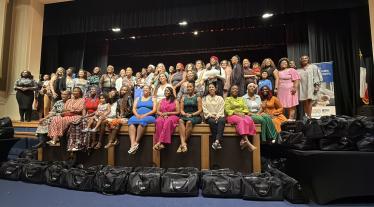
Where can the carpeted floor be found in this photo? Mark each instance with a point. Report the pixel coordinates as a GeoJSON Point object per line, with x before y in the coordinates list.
{"type": "Point", "coordinates": [20, 194]}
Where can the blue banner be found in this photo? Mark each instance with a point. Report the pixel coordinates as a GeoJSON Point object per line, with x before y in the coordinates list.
{"type": "Point", "coordinates": [327, 71]}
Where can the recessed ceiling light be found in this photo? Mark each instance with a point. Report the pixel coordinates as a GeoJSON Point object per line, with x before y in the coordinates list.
{"type": "Point", "coordinates": [133, 37]}
{"type": "Point", "coordinates": [183, 23]}
{"type": "Point", "coordinates": [267, 15]}
{"type": "Point", "coordinates": [195, 32]}
{"type": "Point", "coordinates": [116, 29]}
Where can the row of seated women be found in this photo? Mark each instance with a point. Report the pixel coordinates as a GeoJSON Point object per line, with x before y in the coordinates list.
{"type": "Point", "coordinates": [81, 117]}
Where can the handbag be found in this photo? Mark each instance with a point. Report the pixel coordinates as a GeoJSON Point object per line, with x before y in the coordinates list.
{"type": "Point", "coordinates": [145, 181]}
{"type": "Point", "coordinates": [12, 169]}
{"type": "Point", "coordinates": [263, 187]}
{"type": "Point", "coordinates": [222, 185]}
{"type": "Point", "coordinates": [34, 171]}
{"type": "Point", "coordinates": [112, 180]}
{"type": "Point", "coordinates": [180, 182]}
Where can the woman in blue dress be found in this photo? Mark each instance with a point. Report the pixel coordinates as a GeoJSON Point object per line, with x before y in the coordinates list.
{"type": "Point", "coordinates": [144, 109]}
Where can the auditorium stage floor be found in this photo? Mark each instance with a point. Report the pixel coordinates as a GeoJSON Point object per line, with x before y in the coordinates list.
{"type": "Point", "coordinates": [18, 194]}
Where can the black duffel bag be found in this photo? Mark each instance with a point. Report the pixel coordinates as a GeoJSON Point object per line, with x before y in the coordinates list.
{"type": "Point", "coordinates": [112, 180]}
{"type": "Point", "coordinates": [12, 169]}
{"type": "Point", "coordinates": [293, 126]}
{"type": "Point", "coordinates": [337, 144]}
{"type": "Point", "coordinates": [264, 187]}
{"type": "Point", "coordinates": [292, 190]}
{"type": "Point", "coordinates": [55, 174]}
{"type": "Point", "coordinates": [6, 132]}
{"type": "Point", "coordinates": [31, 154]}
{"type": "Point", "coordinates": [298, 141]}
{"type": "Point", "coordinates": [180, 182]}
{"type": "Point", "coordinates": [79, 178]}
{"type": "Point", "coordinates": [313, 129]}
{"type": "Point", "coordinates": [366, 144]}
{"type": "Point", "coordinates": [145, 181]}
{"type": "Point", "coordinates": [34, 171]}
{"type": "Point", "coordinates": [5, 122]}
{"type": "Point", "coordinates": [226, 185]}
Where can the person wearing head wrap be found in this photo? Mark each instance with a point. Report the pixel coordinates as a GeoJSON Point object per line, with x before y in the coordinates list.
{"type": "Point", "coordinates": [214, 74]}
{"type": "Point", "coordinates": [237, 75]}
{"type": "Point", "coordinates": [253, 102]}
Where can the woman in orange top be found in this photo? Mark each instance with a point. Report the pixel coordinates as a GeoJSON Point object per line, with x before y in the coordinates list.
{"type": "Point", "coordinates": [272, 106]}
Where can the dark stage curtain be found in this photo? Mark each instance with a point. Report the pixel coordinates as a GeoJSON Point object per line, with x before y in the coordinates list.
{"type": "Point", "coordinates": [78, 51]}
{"type": "Point", "coordinates": [96, 15]}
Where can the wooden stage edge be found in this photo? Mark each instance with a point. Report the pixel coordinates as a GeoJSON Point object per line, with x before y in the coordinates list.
{"type": "Point", "coordinates": [199, 130]}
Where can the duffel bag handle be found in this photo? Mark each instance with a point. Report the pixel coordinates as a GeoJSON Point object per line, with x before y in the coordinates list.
{"type": "Point", "coordinates": [141, 184]}
{"type": "Point", "coordinates": [222, 186]}
{"type": "Point", "coordinates": [262, 188]}
{"type": "Point", "coordinates": [176, 184]}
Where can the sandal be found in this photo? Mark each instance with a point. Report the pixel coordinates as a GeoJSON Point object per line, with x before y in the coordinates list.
{"type": "Point", "coordinates": [98, 146]}
{"type": "Point", "coordinates": [244, 145]}
{"type": "Point", "coordinates": [133, 149]}
{"type": "Point", "coordinates": [156, 146]}
{"type": "Point", "coordinates": [110, 144]}
{"type": "Point", "coordinates": [182, 148]}
{"type": "Point", "coordinates": [53, 143]}
{"type": "Point", "coordinates": [93, 144]}
{"type": "Point", "coordinates": [116, 142]}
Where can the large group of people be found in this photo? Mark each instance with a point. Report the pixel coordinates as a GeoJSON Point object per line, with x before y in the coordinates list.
{"type": "Point", "coordinates": [236, 92]}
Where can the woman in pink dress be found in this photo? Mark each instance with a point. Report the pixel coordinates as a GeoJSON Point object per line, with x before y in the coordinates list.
{"type": "Point", "coordinates": [167, 120]}
{"type": "Point", "coordinates": [288, 83]}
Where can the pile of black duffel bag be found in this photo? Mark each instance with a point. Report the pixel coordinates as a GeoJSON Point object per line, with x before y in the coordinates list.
{"type": "Point", "coordinates": [329, 133]}
{"type": "Point", "coordinates": [153, 181]}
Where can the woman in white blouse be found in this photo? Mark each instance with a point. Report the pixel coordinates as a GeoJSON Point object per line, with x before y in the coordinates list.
{"type": "Point", "coordinates": [159, 92]}
{"type": "Point", "coordinates": [213, 108]}
{"type": "Point", "coordinates": [214, 74]}
{"type": "Point", "coordinates": [253, 101]}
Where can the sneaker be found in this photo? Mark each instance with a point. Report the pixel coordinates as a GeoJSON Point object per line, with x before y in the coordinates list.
{"type": "Point", "coordinates": [74, 149]}
{"type": "Point", "coordinates": [216, 145]}
{"type": "Point", "coordinates": [93, 130]}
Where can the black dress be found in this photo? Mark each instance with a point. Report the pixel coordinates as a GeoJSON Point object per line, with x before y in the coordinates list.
{"type": "Point", "coordinates": [237, 78]}
{"type": "Point", "coordinates": [25, 98]}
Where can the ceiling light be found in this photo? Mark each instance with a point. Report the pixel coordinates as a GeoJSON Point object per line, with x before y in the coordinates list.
{"type": "Point", "coordinates": [195, 32]}
{"type": "Point", "coordinates": [267, 15]}
{"type": "Point", "coordinates": [133, 37]}
{"type": "Point", "coordinates": [116, 29]}
{"type": "Point", "coordinates": [183, 23]}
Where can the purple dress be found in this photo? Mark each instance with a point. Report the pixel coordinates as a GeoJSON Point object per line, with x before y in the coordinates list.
{"type": "Point", "coordinates": [165, 126]}
{"type": "Point", "coordinates": [286, 78]}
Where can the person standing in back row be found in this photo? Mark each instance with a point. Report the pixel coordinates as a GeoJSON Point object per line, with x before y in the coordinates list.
{"type": "Point", "coordinates": [310, 81]}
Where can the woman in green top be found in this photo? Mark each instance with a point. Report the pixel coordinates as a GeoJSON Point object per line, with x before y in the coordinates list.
{"type": "Point", "coordinates": [191, 108]}
{"type": "Point", "coordinates": [237, 114]}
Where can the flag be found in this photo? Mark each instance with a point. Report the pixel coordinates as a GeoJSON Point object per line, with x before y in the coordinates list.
{"type": "Point", "coordinates": [364, 95]}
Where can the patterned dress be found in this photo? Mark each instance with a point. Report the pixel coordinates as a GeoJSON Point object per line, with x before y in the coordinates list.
{"type": "Point", "coordinates": [190, 106]}
{"type": "Point", "coordinates": [165, 126]}
{"type": "Point", "coordinates": [57, 108]}
{"type": "Point", "coordinates": [78, 139]}
{"type": "Point", "coordinates": [59, 124]}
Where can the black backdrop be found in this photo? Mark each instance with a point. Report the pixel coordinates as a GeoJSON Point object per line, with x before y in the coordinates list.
{"type": "Point", "coordinates": [331, 35]}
